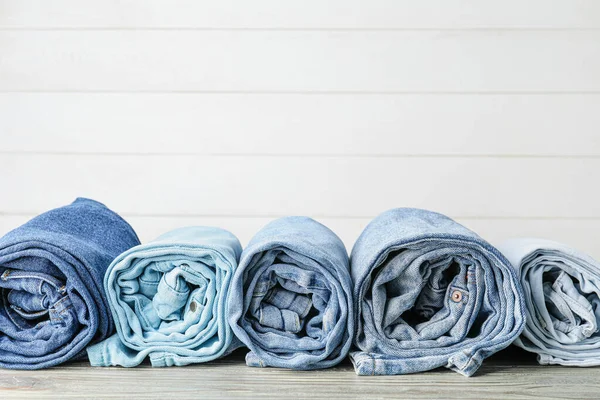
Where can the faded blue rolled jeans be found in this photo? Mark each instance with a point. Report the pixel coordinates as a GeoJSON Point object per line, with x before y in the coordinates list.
{"type": "Point", "coordinates": [169, 300]}
{"type": "Point", "coordinates": [430, 293]}
{"type": "Point", "coordinates": [52, 304]}
{"type": "Point", "coordinates": [291, 300]}
{"type": "Point", "coordinates": [562, 301]}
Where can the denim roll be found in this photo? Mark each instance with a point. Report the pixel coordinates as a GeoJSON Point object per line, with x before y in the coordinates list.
{"type": "Point", "coordinates": [430, 293]}
{"type": "Point", "coordinates": [52, 304]}
{"type": "Point", "coordinates": [291, 297]}
{"type": "Point", "coordinates": [562, 301]}
{"type": "Point", "coordinates": [169, 300]}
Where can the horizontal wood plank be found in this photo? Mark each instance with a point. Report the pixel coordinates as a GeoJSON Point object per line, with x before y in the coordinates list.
{"type": "Point", "coordinates": [340, 124]}
{"type": "Point", "coordinates": [335, 14]}
{"type": "Point", "coordinates": [318, 186]}
{"type": "Point", "coordinates": [519, 378]}
{"type": "Point", "coordinates": [301, 61]}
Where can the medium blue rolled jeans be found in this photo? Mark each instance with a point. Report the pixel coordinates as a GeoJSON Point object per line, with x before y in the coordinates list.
{"type": "Point", "coordinates": [291, 297]}
{"type": "Point", "coordinates": [562, 301]}
{"type": "Point", "coordinates": [169, 300]}
{"type": "Point", "coordinates": [430, 293]}
{"type": "Point", "coordinates": [52, 303]}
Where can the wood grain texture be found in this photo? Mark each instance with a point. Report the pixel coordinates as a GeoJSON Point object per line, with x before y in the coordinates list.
{"type": "Point", "coordinates": [503, 376]}
{"type": "Point", "coordinates": [313, 14]}
{"type": "Point", "coordinates": [339, 124]}
{"type": "Point", "coordinates": [301, 61]}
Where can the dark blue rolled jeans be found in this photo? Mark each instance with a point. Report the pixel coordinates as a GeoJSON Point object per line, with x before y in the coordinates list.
{"type": "Point", "coordinates": [430, 293]}
{"type": "Point", "coordinates": [52, 303]}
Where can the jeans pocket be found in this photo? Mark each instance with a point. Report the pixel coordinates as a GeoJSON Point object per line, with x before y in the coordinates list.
{"type": "Point", "coordinates": [28, 314]}
{"type": "Point", "coordinates": [575, 313]}
{"type": "Point", "coordinates": [30, 281]}
{"type": "Point", "coordinates": [149, 281]}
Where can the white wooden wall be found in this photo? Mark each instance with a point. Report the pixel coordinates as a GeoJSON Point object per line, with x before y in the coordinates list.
{"type": "Point", "coordinates": [232, 113]}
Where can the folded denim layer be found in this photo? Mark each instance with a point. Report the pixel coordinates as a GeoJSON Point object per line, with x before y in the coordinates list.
{"type": "Point", "coordinates": [430, 293]}
{"type": "Point", "coordinates": [169, 300]}
{"type": "Point", "coordinates": [52, 303]}
{"type": "Point", "coordinates": [291, 300]}
{"type": "Point", "coordinates": [562, 301]}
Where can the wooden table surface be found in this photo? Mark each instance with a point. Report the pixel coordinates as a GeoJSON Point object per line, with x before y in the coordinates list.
{"type": "Point", "coordinates": [511, 373]}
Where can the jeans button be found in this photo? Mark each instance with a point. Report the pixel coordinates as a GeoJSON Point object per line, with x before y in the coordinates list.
{"type": "Point", "coordinates": [456, 296]}
{"type": "Point", "coordinates": [193, 306]}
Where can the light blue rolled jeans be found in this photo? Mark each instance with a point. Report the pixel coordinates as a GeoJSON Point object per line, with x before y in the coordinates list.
{"type": "Point", "coordinates": [430, 293]}
{"type": "Point", "coordinates": [291, 297]}
{"type": "Point", "coordinates": [169, 300]}
{"type": "Point", "coordinates": [562, 299]}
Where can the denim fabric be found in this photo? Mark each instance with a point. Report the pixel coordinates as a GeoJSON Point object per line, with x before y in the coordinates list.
{"type": "Point", "coordinates": [52, 304]}
{"type": "Point", "coordinates": [562, 301]}
{"type": "Point", "coordinates": [291, 297]}
{"type": "Point", "coordinates": [169, 300]}
{"type": "Point", "coordinates": [430, 293]}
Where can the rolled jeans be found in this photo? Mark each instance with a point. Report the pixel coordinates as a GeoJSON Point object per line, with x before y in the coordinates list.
{"type": "Point", "coordinates": [169, 300]}
{"type": "Point", "coordinates": [430, 293]}
{"type": "Point", "coordinates": [52, 303]}
{"type": "Point", "coordinates": [291, 300]}
{"type": "Point", "coordinates": [562, 301]}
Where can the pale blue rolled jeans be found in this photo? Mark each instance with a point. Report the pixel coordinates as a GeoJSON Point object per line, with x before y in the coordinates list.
{"type": "Point", "coordinates": [169, 300]}
{"type": "Point", "coordinates": [562, 299]}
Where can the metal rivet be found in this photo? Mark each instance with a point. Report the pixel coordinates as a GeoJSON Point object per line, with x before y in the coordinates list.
{"type": "Point", "coordinates": [5, 274]}
{"type": "Point", "coordinates": [456, 296]}
{"type": "Point", "coordinates": [193, 306]}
